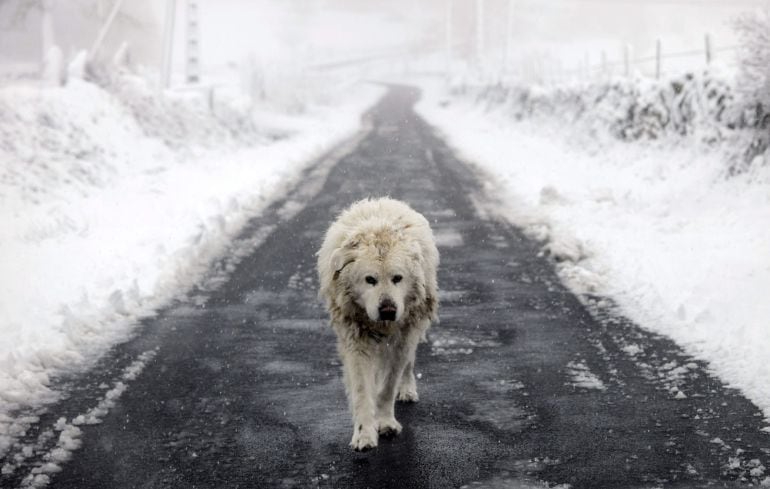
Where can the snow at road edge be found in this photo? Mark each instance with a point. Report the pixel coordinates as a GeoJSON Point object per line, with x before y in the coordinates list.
{"type": "Point", "coordinates": [683, 250]}
{"type": "Point", "coordinates": [123, 222]}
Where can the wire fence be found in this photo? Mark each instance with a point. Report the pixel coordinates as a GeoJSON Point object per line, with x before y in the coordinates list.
{"type": "Point", "coordinates": [661, 63]}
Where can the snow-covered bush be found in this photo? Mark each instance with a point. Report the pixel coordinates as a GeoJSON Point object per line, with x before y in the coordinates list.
{"type": "Point", "coordinates": [754, 33]}
{"type": "Point", "coordinates": [628, 109]}
{"type": "Point", "coordinates": [184, 119]}
{"type": "Point", "coordinates": [702, 108]}
{"type": "Point", "coordinates": [69, 137]}
{"type": "Point", "coordinates": [754, 83]}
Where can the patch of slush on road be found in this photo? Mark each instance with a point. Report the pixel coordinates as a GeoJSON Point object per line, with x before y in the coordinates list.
{"type": "Point", "coordinates": [582, 376]}
{"type": "Point", "coordinates": [441, 213]}
{"type": "Point", "coordinates": [446, 342]}
{"type": "Point", "coordinates": [448, 238]}
{"type": "Point", "coordinates": [451, 295]}
{"type": "Point", "coordinates": [501, 386]}
{"type": "Point", "coordinates": [286, 367]}
{"type": "Point", "coordinates": [259, 297]}
{"type": "Point", "coordinates": [513, 483]}
{"type": "Point", "coordinates": [318, 325]}
{"type": "Point", "coordinates": [47, 454]}
{"type": "Point", "coordinates": [503, 414]}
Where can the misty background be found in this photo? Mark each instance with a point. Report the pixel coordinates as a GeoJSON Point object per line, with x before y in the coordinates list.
{"type": "Point", "coordinates": [532, 39]}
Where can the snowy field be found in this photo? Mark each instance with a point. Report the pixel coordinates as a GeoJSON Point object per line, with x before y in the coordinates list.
{"type": "Point", "coordinates": [114, 202]}
{"type": "Point", "coordinates": [660, 226]}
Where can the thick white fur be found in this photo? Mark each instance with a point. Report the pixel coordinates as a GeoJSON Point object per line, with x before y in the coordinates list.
{"type": "Point", "coordinates": [379, 239]}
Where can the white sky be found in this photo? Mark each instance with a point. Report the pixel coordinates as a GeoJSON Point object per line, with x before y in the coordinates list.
{"type": "Point", "coordinates": [568, 30]}
{"type": "Point", "coordinates": [563, 32]}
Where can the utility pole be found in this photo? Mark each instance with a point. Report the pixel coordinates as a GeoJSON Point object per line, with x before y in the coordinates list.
{"type": "Point", "coordinates": [46, 30]}
{"type": "Point", "coordinates": [448, 35]}
{"type": "Point", "coordinates": [105, 29]}
{"type": "Point", "coordinates": [605, 65]}
{"type": "Point", "coordinates": [657, 59]}
{"type": "Point", "coordinates": [168, 44]}
{"type": "Point", "coordinates": [508, 35]}
{"type": "Point", "coordinates": [479, 32]}
{"type": "Point", "coordinates": [192, 66]}
{"type": "Point", "coordinates": [708, 49]}
{"type": "Point", "coordinates": [627, 60]}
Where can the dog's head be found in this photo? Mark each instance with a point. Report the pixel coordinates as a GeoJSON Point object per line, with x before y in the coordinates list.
{"type": "Point", "coordinates": [381, 273]}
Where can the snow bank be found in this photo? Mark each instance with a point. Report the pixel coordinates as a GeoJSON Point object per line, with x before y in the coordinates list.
{"type": "Point", "coordinates": [114, 201]}
{"type": "Point", "coordinates": [665, 228]}
{"type": "Point", "coordinates": [700, 107]}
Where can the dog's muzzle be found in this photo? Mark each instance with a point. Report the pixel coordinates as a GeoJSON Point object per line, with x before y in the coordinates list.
{"type": "Point", "coordinates": [387, 310]}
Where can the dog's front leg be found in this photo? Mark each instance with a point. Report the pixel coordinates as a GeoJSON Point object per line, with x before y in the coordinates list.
{"type": "Point", "coordinates": [386, 399]}
{"type": "Point", "coordinates": [359, 384]}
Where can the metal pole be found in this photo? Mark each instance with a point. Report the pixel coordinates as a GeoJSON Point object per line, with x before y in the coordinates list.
{"type": "Point", "coordinates": [479, 31]}
{"type": "Point", "coordinates": [168, 43]}
{"type": "Point", "coordinates": [627, 59]}
{"type": "Point", "coordinates": [448, 33]}
{"type": "Point", "coordinates": [657, 59]}
{"type": "Point", "coordinates": [105, 29]}
{"type": "Point", "coordinates": [508, 36]}
{"type": "Point", "coordinates": [708, 49]}
{"type": "Point", "coordinates": [46, 31]}
{"type": "Point", "coordinates": [192, 67]}
{"type": "Point", "coordinates": [605, 66]}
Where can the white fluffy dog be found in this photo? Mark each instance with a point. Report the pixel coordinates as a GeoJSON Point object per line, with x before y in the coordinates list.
{"type": "Point", "coordinates": [377, 270]}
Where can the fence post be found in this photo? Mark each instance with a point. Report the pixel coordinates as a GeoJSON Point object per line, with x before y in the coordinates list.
{"type": "Point", "coordinates": [479, 31]}
{"type": "Point", "coordinates": [168, 44]}
{"type": "Point", "coordinates": [448, 36]}
{"type": "Point", "coordinates": [627, 60]}
{"type": "Point", "coordinates": [508, 34]}
{"type": "Point", "coordinates": [192, 65]}
{"type": "Point", "coordinates": [605, 66]}
{"type": "Point", "coordinates": [657, 59]}
{"type": "Point", "coordinates": [46, 31]}
{"type": "Point", "coordinates": [708, 49]}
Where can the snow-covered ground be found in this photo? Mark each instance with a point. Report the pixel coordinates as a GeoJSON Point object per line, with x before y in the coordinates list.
{"type": "Point", "coordinates": [113, 202]}
{"type": "Point", "coordinates": [659, 226]}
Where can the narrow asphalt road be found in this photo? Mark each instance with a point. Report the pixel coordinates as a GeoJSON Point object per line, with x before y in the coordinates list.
{"type": "Point", "coordinates": [521, 383]}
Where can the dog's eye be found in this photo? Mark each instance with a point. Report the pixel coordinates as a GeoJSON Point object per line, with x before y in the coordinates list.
{"type": "Point", "coordinates": [397, 278]}
{"type": "Point", "coordinates": [370, 280]}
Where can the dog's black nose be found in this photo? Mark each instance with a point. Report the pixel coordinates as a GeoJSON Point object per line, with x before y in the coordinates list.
{"type": "Point", "coordinates": [387, 310]}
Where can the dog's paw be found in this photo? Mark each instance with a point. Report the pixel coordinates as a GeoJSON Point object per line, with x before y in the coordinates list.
{"type": "Point", "coordinates": [364, 438]}
{"type": "Point", "coordinates": [389, 427]}
{"type": "Point", "coordinates": [407, 395]}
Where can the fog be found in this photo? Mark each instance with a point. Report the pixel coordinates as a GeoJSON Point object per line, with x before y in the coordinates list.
{"type": "Point", "coordinates": [519, 36]}
{"type": "Point", "coordinates": [565, 31]}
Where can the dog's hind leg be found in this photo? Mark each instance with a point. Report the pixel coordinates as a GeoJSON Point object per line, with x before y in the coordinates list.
{"type": "Point", "coordinates": [359, 384]}
{"type": "Point", "coordinates": [407, 389]}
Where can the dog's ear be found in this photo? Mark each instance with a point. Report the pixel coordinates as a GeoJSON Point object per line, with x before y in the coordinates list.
{"type": "Point", "coordinates": [336, 260]}
{"type": "Point", "coordinates": [339, 260]}
{"type": "Point", "coordinates": [343, 256]}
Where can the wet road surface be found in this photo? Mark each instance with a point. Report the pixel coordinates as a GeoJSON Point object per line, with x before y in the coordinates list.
{"type": "Point", "coordinates": [521, 383]}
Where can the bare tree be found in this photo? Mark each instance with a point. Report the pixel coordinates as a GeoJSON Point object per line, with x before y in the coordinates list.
{"type": "Point", "coordinates": [754, 32]}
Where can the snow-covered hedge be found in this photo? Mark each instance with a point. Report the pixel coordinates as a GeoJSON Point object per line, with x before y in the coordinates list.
{"type": "Point", "coordinates": [704, 106]}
